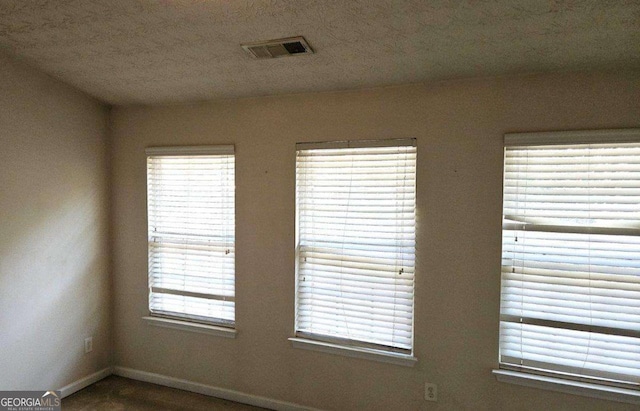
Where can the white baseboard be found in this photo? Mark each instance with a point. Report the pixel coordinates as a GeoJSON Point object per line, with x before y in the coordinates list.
{"type": "Point", "coordinates": [209, 390]}
{"type": "Point", "coordinates": [77, 385]}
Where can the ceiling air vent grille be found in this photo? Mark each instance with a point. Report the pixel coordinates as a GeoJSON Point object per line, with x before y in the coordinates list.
{"type": "Point", "coordinates": [291, 46]}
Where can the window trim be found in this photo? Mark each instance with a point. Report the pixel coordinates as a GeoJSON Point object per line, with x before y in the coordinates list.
{"type": "Point", "coordinates": [354, 351]}
{"type": "Point", "coordinates": [399, 142]}
{"type": "Point", "coordinates": [547, 138]}
{"type": "Point", "coordinates": [190, 150]}
{"type": "Point", "coordinates": [186, 325]}
{"type": "Point", "coordinates": [582, 388]}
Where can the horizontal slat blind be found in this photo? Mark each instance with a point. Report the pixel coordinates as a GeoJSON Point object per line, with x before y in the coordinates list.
{"type": "Point", "coordinates": [191, 217]}
{"type": "Point", "coordinates": [571, 260]}
{"type": "Point", "coordinates": [356, 244]}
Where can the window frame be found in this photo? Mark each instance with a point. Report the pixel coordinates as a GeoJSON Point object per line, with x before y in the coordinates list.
{"type": "Point", "coordinates": [336, 344]}
{"type": "Point", "coordinates": [191, 322]}
{"type": "Point", "coordinates": [587, 385]}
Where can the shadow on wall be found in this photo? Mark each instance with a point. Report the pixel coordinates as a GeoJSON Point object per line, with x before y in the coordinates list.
{"type": "Point", "coordinates": [53, 286]}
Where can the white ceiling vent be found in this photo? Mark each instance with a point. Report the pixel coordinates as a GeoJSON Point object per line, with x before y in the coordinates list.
{"type": "Point", "coordinates": [291, 46]}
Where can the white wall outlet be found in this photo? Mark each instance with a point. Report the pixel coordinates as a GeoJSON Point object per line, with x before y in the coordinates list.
{"type": "Point", "coordinates": [88, 345]}
{"type": "Point", "coordinates": [430, 392]}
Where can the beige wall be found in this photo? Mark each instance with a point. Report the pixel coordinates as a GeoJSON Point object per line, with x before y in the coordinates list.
{"type": "Point", "coordinates": [54, 277]}
{"type": "Point", "coordinates": [459, 127]}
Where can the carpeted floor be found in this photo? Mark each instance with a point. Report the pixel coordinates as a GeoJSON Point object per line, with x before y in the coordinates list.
{"type": "Point", "coordinates": [116, 393]}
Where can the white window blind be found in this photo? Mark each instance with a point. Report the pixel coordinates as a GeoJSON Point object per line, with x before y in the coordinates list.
{"type": "Point", "coordinates": [570, 302]}
{"type": "Point", "coordinates": [191, 222]}
{"type": "Point", "coordinates": [356, 242]}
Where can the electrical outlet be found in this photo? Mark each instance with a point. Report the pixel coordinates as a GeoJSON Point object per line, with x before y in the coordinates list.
{"type": "Point", "coordinates": [88, 345]}
{"type": "Point", "coordinates": [430, 392]}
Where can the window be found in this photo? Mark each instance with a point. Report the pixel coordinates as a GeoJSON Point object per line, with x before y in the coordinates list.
{"type": "Point", "coordinates": [191, 213]}
{"type": "Point", "coordinates": [356, 243]}
{"type": "Point", "coordinates": [570, 305]}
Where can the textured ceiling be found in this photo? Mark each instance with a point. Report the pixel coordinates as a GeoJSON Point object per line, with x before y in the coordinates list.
{"type": "Point", "coordinates": [144, 51]}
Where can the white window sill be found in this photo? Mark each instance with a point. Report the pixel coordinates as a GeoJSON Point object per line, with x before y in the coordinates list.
{"type": "Point", "coordinates": [584, 389]}
{"type": "Point", "coordinates": [355, 352]}
{"type": "Point", "coordinates": [191, 327]}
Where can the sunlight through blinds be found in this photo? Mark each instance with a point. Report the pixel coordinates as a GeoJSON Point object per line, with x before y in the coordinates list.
{"type": "Point", "coordinates": [570, 302]}
{"type": "Point", "coordinates": [356, 242]}
{"type": "Point", "coordinates": [191, 223]}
